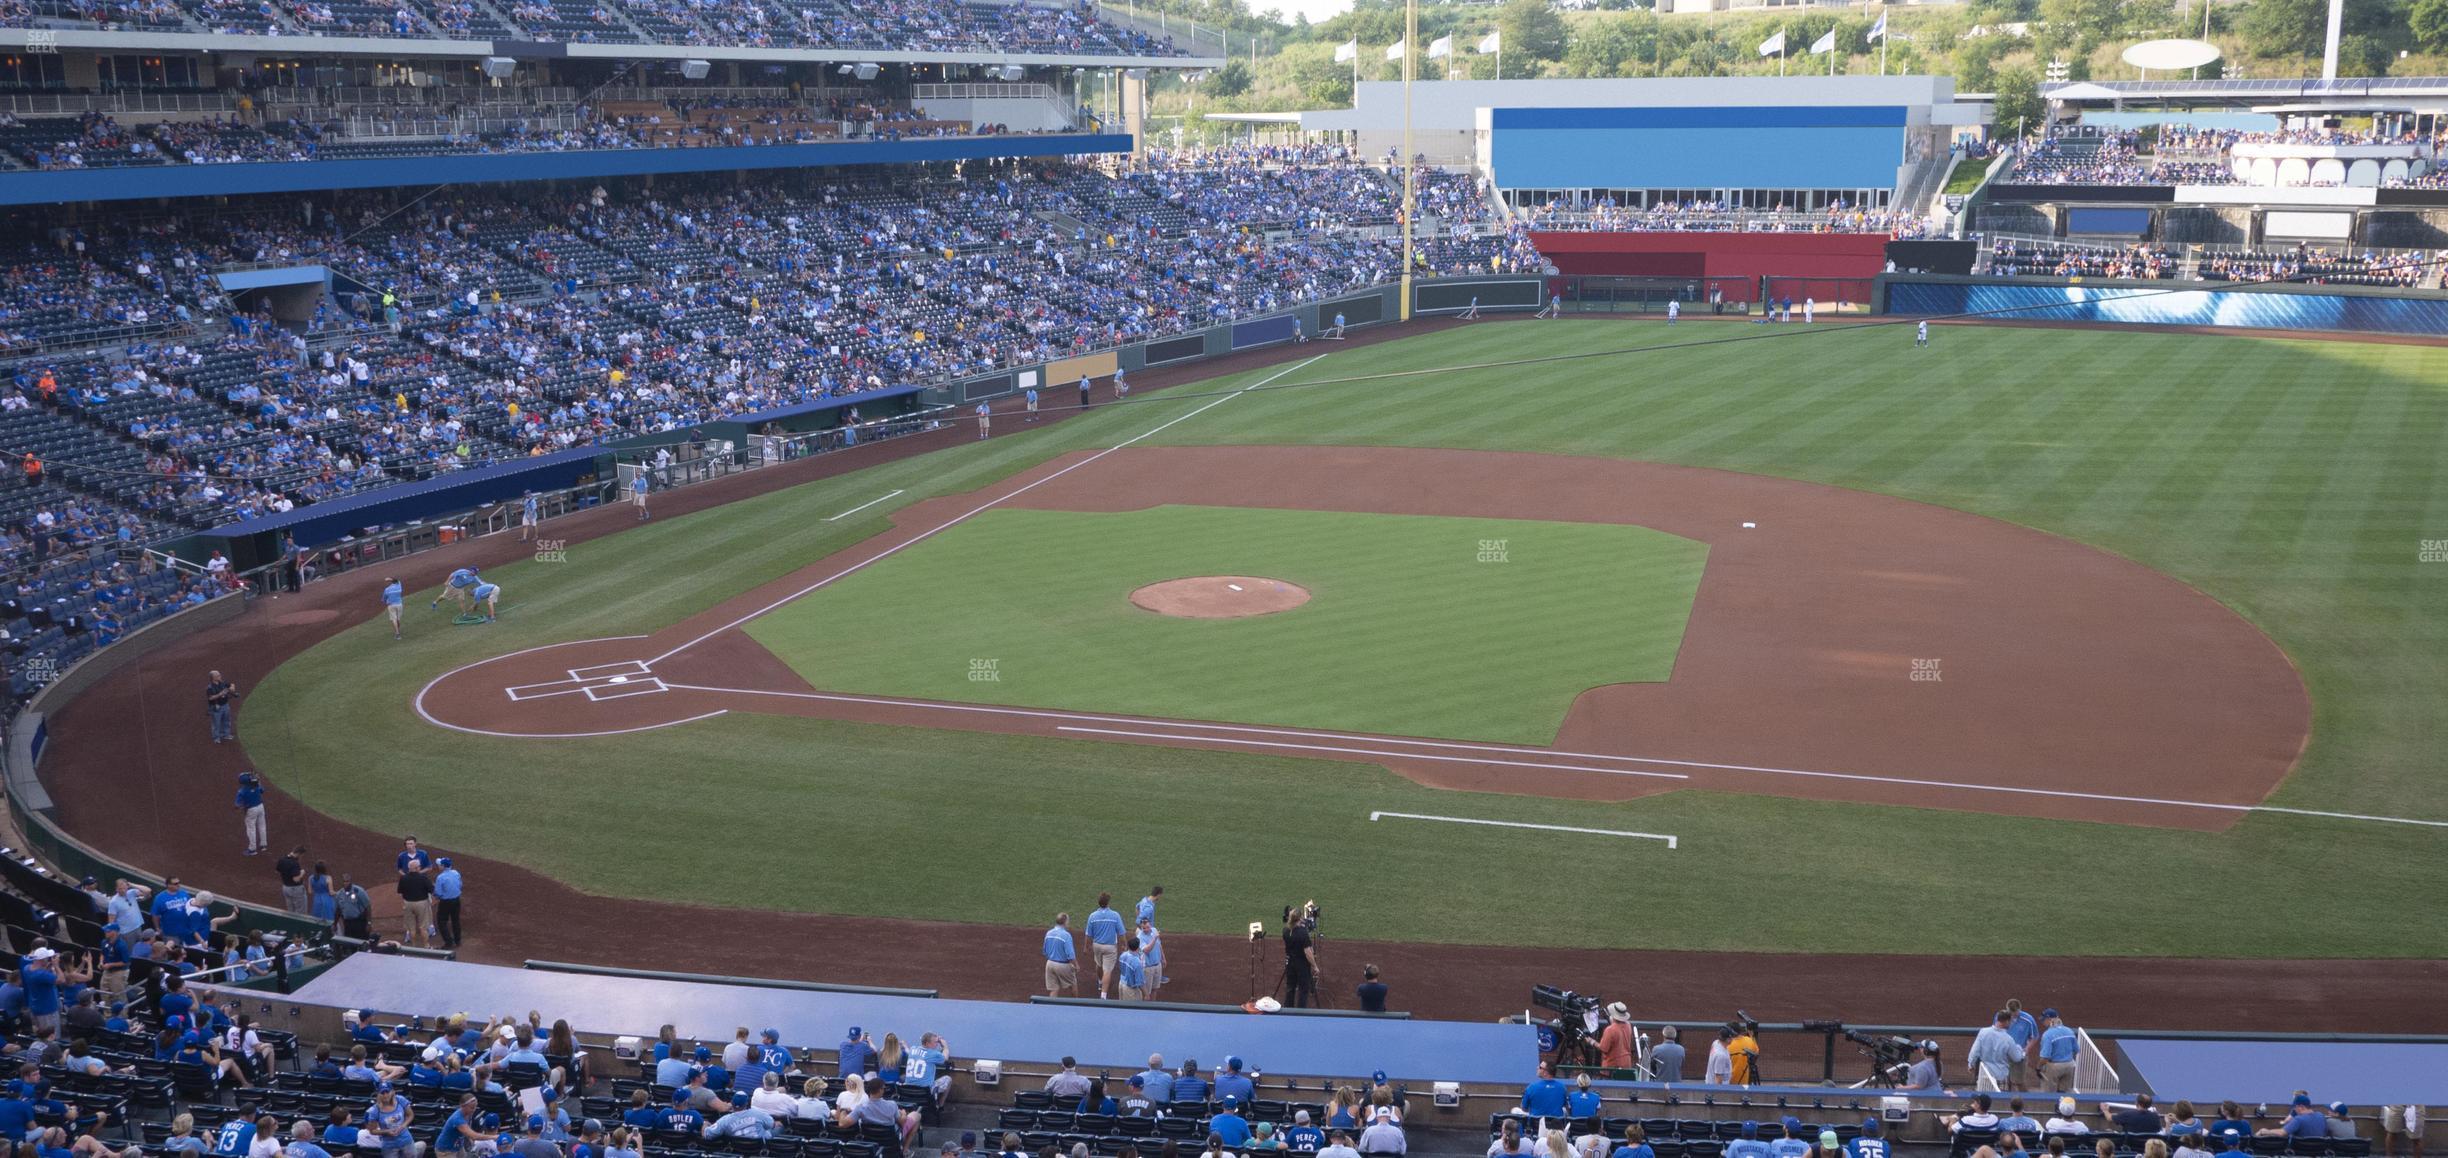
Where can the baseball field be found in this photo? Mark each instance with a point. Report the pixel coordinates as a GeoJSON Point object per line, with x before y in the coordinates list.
{"type": "Point", "coordinates": [2136, 631]}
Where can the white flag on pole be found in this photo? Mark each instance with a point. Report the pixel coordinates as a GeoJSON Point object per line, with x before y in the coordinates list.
{"type": "Point", "coordinates": [1491, 42]}
{"type": "Point", "coordinates": [1441, 46]}
{"type": "Point", "coordinates": [1394, 51]}
{"type": "Point", "coordinates": [1825, 43]}
{"type": "Point", "coordinates": [1347, 51]}
{"type": "Point", "coordinates": [1878, 31]}
{"type": "Point", "coordinates": [1774, 44]}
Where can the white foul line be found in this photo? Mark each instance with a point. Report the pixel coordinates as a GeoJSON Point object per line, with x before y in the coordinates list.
{"type": "Point", "coordinates": [1670, 841]}
{"type": "Point", "coordinates": [858, 508]}
{"type": "Point", "coordinates": [1379, 752]}
{"type": "Point", "coordinates": [981, 508]}
{"type": "Point", "coordinates": [1410, 742]}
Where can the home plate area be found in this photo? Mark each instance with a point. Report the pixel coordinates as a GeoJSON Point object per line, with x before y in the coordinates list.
{"type": "Point", "coordinates": [608, 681]}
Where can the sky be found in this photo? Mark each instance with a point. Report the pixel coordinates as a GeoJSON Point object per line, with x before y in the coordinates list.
{"type": "Point", "coordinates": [1316, 10]}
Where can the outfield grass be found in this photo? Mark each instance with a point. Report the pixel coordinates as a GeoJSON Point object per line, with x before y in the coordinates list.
{"type": "Point", "coordinates": [1411, 630]}
{"type": "Point", "coordinates": [2293, 480]}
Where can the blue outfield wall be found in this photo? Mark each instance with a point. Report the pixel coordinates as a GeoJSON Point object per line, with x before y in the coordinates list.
{"type": "Point", "coordinates": [42, 188]}
{"type": "Point", "coordinates": [2162, 304]}
{"type": "Point", "coordinates": [1697, 148]}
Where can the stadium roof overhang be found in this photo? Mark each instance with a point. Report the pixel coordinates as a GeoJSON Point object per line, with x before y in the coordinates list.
{"type": "Point", "coordinates": [2356, 95]}
{"type": "Point", "coordinates": [87, 39]}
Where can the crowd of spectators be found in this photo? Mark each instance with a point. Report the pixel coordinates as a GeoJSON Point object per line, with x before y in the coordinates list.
{"type": "Point", "coordinates": [481, 326]}
{"type": "Point", "coordinates": [907, 25]}
{"type": "Point", "coordinates": [1605, 215]}
{"type": "Point", "coordinates": [2008, 257]}
{"type": "Point", "coordinates": [2011, 257]}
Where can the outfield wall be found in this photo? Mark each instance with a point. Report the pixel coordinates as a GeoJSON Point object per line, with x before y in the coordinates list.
{"type": "Point", "coordinates": [2348, 309]}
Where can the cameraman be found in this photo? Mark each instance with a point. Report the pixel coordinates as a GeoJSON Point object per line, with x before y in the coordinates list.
{"type": "Point", "coordinates": [1300, 959]}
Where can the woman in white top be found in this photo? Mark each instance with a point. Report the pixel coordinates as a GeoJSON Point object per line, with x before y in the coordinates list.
{"type": "Point", "coordinates": [853, 1095]}
{"type": "Point", "coordinates": [811, 1101]}
{"type": "Point", "coordinates": [773, 1099]}
{"type": "Point", "coordinates": [1720, 1063]}
{"type": "Point", "coordinates": [268, 1142]}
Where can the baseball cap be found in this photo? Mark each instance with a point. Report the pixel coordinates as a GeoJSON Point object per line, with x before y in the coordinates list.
{"type": "Point", "coordinates": [492, 1121]}
{"type": "Point", "coordinates": [2048, 1013]}
{"type": "Point", "coordinates": [1792, 1123]}
{"type": "Point", "coordinates": [1750, 1129]}
{"type": "Point", "coordinates": [89, 880]}
{"type": "Point", "coordinates": [2338, 1108]}
{"type": "Point", "coordinates": [1137, 1081]}
{"type": "Point", "coordinates": [43, 954]}
{"type": "Point", "coordinates": [2302, 1100]}
{"type": "Point", "coordinates": [1828, 1140]}
{"type": "Point", "coordinates": [854, 1033]}
{"type": "Point", "coordinates": [591, 1127]}
{"type": "Point", "coordinates": [1232, 1103]}
{"type": "Point", "coordinates": [739, 1097]}
{"type": "Point", "coordinates": [1377, 1077]}
{"type": "Point", "coordinates": [680, 1095]}
{"type": "Point", "coordinates": [443, 861]}
{"type": "Point", "coordinates": [968, 1139]}
{"type": "Point", "coordinates": [1301, 1116]}
{"type": "Point", "coordinates": [535, 1122]}
{"type": "Point", "coordinates": [382, 1087]}
{"type": "Point", "coordinates": [704, 1053]}
{"type": "Point", "coordinates": [771, 1035]}
{"type": "Point", "coordinates": [1870, 1126]}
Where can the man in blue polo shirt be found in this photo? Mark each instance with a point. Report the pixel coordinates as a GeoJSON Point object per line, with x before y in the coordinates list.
{"type": "Point", "coordinates": [1190, 1087]}
{"type": "Point", "coordinates": [1104, 925]}
{"type": "Point", "coordinates": [1157, 1082]}
{"type": "Point", "coordinates": [1061, 971]}
{"type": "Point", "coordinates": [447, 888]}
{"type": "Point", "coordinates": [1133, 969]}
{"type": "Point", "coordinates": [1544, 1098]}
{"type": "Point", "coordinates": [2058, 1046]}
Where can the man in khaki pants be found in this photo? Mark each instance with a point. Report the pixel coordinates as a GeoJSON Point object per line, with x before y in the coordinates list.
{"type": "Point", "coordinates": [416, 909]}
{"type": "Point", "coordinates": [2058, 1046]}
{"type": "Point", "coordinates": [1061, 959]}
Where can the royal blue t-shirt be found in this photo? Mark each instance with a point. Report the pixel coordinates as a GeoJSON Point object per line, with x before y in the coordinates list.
{"type": "Point", "coordinates": [1544, 1099]}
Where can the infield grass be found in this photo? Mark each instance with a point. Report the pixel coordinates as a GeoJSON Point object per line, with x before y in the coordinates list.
{"type": "Point", "coordinates": [2296, 481]}
{"type": "Point", "coordinates": [1412, 627]}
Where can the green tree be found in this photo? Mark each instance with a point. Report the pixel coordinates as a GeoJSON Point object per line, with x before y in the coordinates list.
{"type": "Point", "coordinates": [2428, 22]}
{"type": "Point", "coordinates": [2018, 100]}
{"type": "Point", "coordinates": [2285, 27]}
{"type": "Point", "coordinates": [1610, 48]}
{"type": "Point", "coordinates": [1533, 35]}
{"type": "Point", "coordinates": [1323, 82]}
{"type": "Point", "coordinates": [1229, 81]}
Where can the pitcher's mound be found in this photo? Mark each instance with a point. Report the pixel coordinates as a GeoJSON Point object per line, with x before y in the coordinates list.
{"type": "Point", "coordinates": [1220, 596]}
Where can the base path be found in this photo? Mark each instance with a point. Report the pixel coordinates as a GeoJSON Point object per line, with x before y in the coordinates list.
{"type": "Point", "coordinates": [1843, 646]}
{"type": "Point", "coordinates": [131, 767]}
